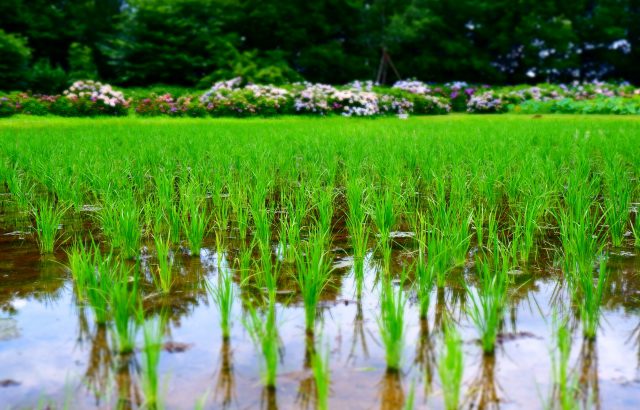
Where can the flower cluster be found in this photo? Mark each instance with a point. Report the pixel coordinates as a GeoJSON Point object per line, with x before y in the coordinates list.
{"type": "Point", "coordinates": [227, 98]}
{"type": "Point", "coordinates": [166, 104]}
{"type": "Point", "coordinates": [313, 98]}
{"type": "Point", "coordinates": [413, 87]}
{"type": "Point", "coordinates": [86, 98]}
{"type": "Point", "coordinates": [353, 102]}
{"type": "Point", "coordinates": [488, 102]}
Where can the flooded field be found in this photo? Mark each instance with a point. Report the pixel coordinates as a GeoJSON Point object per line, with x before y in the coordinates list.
{"type": "Point", "coordinates": [431, 263]}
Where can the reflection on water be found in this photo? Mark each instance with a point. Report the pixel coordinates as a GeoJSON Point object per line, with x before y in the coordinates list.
{"type": "Point", "coordinates": [49, 346]}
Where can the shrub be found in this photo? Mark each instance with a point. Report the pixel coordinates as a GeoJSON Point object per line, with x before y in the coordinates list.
{"type": "Point", "coordinates": [14, 61]}
{"type": "Point", "coordinates": [7, 107]}
{"type": "Point", "coordinates": [90, 98]}
{"type": "Point", "coordinates": [44, 78]}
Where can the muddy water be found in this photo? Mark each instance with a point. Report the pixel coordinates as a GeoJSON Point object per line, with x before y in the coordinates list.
{"type": "Point", "coordinates": [51, 351]}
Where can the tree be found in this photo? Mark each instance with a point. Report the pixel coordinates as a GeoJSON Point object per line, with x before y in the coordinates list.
{"type": "Point", "coordinates": [15, 59]}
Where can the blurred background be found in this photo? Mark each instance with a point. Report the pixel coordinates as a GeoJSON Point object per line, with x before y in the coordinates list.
{"type": "Point", "coordinates": [45, 44]}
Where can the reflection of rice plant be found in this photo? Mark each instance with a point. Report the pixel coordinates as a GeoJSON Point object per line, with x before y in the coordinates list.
{"type": "Point", "coordinates": [48, 218]}
{"type": "Point", "coordinates": [488, 301]}
{"type": "Point", "coordinates": [164, 275]}
{"type": "Point", "coordinates": [153, 330]}
{"type": "Point", "coordinates": [424, 282]}
{"type": "Point", "coordinates": [589, 298]}
{"type": "Point", "coordinates": [124, 303]}
{"type": "Point", "coordinates": [100, 284]}
{"type": "Point", "coordinates": [565, 395]}
{"type": "Point", "coordinates": [391, 323]}
{"type": "Point", "coordinates": [451, 367]}
{"type": "Point", "coordinates": [264, 332]}
{"type": "Point", "coordinates": [322, 377]}
{"type": "Point", "coordinates": [312, 276]}
{"type": "Point", "coordinates": [223, 295]}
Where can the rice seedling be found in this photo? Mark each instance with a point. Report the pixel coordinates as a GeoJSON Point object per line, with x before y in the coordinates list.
{"type": "Point", "coordinates": [223, 296]}
{"type": "Point", "coordinates": [263, 330]}
{"type": "Point", "coordinates": [451, 367]}
{"type": "Point", "coordinates": [194, 222]}
{"type": "Point", "coordinates": [163, 278]}
{"type": "Point", "coordinates": [324, 205]}
{"type": "Point", "coordinates": [322, 377]}
{"type": "Point", "coordinates": [391, 324]}
{"type": "Point", "coordinates": [313, 270]}
{"type": "Point", "coordinates": [241, 211]}
{"type": "Point", "coordinates": [48, 218]}
{"type": "Point", "coordinates": [383, 215]}
{"type": "Point", "coordinates": [488, 301]}
{"type": "Point", "coordinates": [424, 283]}
{"type": "Point", "coordinates": [153, 331]}
{"type": "Point", "coordinates": [22, 191]}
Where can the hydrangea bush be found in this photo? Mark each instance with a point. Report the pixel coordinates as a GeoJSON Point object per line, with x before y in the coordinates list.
{"type": "Point", "coordinates": [89, 98]}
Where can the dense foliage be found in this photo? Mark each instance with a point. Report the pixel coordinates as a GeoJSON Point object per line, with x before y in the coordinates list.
{"type": "Point", "coordinates": [198, 42]}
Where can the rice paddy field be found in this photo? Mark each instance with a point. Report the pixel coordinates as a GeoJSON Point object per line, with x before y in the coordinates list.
{"type": "Point", "coordinates": [293, 263]}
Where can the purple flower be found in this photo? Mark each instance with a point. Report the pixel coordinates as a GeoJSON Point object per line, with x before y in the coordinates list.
{"type": "Point", "coordinates": [469, 91]}
{"type": "Point", "coordinates": [454, 94]}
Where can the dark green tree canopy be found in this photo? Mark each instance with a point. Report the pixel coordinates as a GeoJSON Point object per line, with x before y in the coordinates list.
{"type": "Point", "coordinates": [191, 42]}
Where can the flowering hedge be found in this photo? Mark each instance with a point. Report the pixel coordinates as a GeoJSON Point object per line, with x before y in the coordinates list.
{"type": "Point", "coordinates": [361, 99]}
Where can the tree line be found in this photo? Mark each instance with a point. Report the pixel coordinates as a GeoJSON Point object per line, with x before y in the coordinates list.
{"type": "Point", "coordinates": [45, 43]}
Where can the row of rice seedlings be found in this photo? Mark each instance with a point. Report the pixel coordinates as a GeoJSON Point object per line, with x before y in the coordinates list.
{"type": "Point", "coordinates": [617, 200]}
{"type": "Point", "coordinates": [48, 219]}
{"type": "Point", "coordinates": [313, 272]}
{"type": "Point", "coordinates": [489, 299]}
{"type": "Point", "coordinates": [451, 367]}
{"type": "Point", "coordinates": [323, 198]}
{"type": "Point", "coordinates": [391, 323]}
